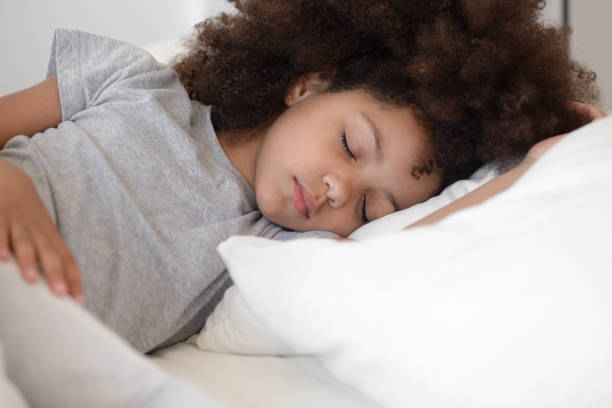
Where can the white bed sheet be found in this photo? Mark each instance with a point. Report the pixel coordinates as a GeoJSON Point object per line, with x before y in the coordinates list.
{"type": "Point", "coordinates": [240, 381]}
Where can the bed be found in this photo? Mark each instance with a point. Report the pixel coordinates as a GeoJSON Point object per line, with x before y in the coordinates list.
{"type": "Point", "coordinates": [505, 304]}
{"type": "Point", "coordinates": [235, 380]}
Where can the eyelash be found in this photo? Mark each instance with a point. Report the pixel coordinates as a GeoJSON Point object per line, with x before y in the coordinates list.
{"type": "Point", "coordinates": [348, 151]}
{"type": "Point", "coordinates": [346, 147]}
{"type": "Point", "coordinates": [364, 216]}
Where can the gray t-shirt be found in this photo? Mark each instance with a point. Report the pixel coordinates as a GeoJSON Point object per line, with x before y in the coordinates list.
{"type": "Point", "coordinates": [139, 188]}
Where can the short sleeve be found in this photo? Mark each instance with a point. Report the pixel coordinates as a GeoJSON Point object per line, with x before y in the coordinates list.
{"type": "Point", "coordinates": [87, 64]}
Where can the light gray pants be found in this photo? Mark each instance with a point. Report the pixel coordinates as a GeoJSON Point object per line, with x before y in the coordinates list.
{"type": "Point", "coordinates": [58, 355]}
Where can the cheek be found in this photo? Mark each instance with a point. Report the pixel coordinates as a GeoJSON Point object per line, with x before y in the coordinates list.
{"type": "Point", "coordinates": [336, 221]}
{"type": "Point", "coordinates": [274, 211]}
{"type": "Point", "coordinates": [433, 185]}
{"type": "Point", "coordinates": [422, 190]}
{"type": "Point", "coordinates": [268, 194]}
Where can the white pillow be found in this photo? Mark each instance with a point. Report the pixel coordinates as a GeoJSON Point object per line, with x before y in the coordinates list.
{"type": "Point", "coordinates": [400, 219]}
{"type": "Point", "coordinates": [232, 327]}
{"type": "Point", "coordinates": [505, 304]}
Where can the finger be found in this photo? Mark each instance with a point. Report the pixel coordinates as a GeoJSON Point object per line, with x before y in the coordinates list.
{"type": "Point", "coordinates": [51, 265]}
{"type": "Point", "coordinates": [595, 112]}
{"type": "Point", "coordinates": [73, 276]}
{"type": "Point", "coordinates": [70, 271]}
{"type": "Point", "coordinates": [588, 112]}
{"type": "Point", "coordinates": [24, 252]}
{"type": "Point", "coordinates": [4, 244]}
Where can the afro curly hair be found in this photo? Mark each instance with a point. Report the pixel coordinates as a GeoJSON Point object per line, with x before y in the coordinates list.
{"type": "Point", "coordinates": [486, 78]}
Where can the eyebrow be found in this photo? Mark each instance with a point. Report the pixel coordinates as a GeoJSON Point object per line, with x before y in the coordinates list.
{"type": "Point", "coordinates": [379, 156]}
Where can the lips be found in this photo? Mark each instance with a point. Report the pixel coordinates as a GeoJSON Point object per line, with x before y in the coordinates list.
{"type": "Point", "coordinates": [302, 199]}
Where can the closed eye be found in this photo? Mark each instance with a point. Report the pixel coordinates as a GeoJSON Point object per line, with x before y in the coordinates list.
{"type": "Point", "coordinates": [347, 150]}
{"type": "Point", "coordinates": [364, 212]}
{"type": "Point", "coordinates": [346, 147]}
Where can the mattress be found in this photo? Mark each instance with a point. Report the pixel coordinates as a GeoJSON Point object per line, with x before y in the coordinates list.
{"type": "Point", "coordinates": [241, 381]}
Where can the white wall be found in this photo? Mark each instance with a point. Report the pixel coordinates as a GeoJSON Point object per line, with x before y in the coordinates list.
{"type": "Point", "coordinates": [553, 13]}
{"type": "Point", "coordinates": [590, 38]}
{"type": "Point", "coordinates": [592, 25]}
{"type": "Point", "coordinates": [26, 28]}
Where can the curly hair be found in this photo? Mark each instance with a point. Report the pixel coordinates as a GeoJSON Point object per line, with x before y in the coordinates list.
{"type": "Point", "coordinates": [485, 77]}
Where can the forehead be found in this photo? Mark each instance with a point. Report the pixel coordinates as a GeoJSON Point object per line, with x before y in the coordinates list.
{"type": "Point", "coordinates": [361, 106]}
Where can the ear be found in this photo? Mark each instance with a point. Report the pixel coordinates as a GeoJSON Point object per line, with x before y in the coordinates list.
{"type": "Point", "coordinates": [305, 86]}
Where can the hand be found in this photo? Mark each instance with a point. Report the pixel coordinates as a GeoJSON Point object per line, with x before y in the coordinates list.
{"type": "Point", "coordinates": [588, 113]}
{"type": "Point", "coordinates": [27, 230]}
{"type": "Point", "coordinates": [505, 180]}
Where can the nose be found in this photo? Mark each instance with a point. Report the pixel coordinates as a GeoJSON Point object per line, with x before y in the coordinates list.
{"type": "Point", "coordinates": [338, 190]}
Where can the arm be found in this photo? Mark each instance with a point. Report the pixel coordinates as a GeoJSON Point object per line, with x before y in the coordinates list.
{"type": "Point", "coordinates": [28, 232]}
{"type": "Point", "coordinates": [26, 229]}
{"type": "Point", "coordinates": [30, 111]}
{"type": "Point", "coordinates": [497, 185]}
{"type": "Point", "coordinates": [481, 194]}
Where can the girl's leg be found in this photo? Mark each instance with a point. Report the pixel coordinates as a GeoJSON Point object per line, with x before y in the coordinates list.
{"type": "Point", "coordinates": [58, 355]}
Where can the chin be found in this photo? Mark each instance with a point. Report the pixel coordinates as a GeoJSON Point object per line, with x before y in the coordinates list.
{"type": "Point", "coordinates": [290, 226]}
{"type": "Point", "coordinates": [270, 216]}
{"type": "Point", "coordinates": [287, 224]}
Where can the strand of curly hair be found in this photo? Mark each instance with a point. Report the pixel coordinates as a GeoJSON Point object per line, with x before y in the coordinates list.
{"type": "Point", "coordinates": [485, 77]}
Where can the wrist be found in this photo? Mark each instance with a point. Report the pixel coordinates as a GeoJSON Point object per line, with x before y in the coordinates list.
{"type": "Point", "coordinates": [478, 196]}
{"type": "Point", "coordinates": [538, 149]}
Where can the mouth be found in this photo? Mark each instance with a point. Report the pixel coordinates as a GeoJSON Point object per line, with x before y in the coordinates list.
{"type": "Point", "coordinates": [302, 199]}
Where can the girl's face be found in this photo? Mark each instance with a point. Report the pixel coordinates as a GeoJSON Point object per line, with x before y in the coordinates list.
{"type": "Point", "coordinates": [335, 161]}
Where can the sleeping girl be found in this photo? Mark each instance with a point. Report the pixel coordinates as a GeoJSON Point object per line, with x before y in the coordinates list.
{"type": "Point", "coordinates": [119, 175]}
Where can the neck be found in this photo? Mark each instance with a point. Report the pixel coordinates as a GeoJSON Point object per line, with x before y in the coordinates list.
{"type": "Point", "coordinates": [242, 154]}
